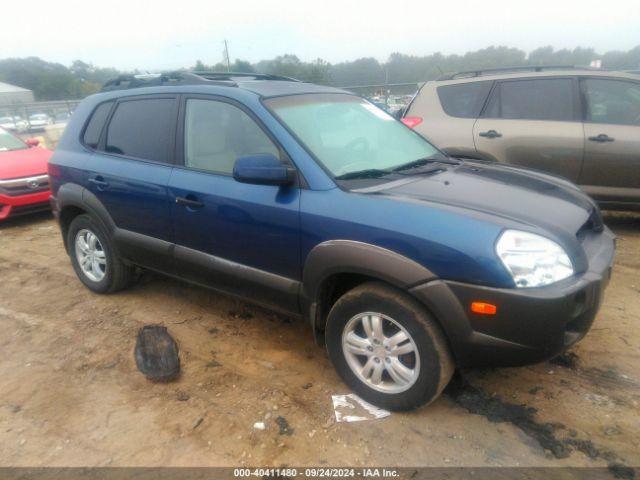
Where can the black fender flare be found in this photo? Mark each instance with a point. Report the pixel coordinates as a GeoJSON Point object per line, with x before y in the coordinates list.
{"type": "Point", "coordinates": [74, 195]}
{"type": "Point", "coordinates": [349, 256]}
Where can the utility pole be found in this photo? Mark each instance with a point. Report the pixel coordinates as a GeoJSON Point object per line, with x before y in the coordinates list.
{"type": "Point", "coordinates": [386, 86]}
{"type": "Point", "coordinates": [226, 56]}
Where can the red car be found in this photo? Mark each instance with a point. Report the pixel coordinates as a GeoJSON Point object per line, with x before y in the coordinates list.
{"type": "Point", "coordinates": [24, 183]}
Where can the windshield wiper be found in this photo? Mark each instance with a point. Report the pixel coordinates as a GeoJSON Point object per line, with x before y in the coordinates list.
{"type": "Point", "coordinates": [377, 173]}
{"type": "Point", "coordinates": [368, 173]}
{"type": "Point", "coordinates": [425, 161]}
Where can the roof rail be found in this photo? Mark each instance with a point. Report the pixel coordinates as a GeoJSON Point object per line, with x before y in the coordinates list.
{"type": "Point", "coordinates": [523, 68]}
{"type": "Point", "coordinates": [125, 82]}
{"type": "Point", "coordinates": [241, 75]}
{"type": "Point", "coordinates": [228, 79]}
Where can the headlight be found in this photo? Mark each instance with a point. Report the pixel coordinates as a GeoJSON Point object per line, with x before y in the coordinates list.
{"type": "Point", "coordinates": [532, 260]}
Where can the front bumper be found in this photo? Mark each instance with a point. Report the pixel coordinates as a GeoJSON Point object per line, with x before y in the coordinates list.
{"type": "Point", "coordinates": [530, 325]}
{"type": "Point", "coordinates": [23, 195]}
{"type": "Point", "coordinates": [11, 206]}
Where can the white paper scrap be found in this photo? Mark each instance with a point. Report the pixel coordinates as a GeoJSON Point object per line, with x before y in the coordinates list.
{"type": "Point", "coordinates": [351, 408]}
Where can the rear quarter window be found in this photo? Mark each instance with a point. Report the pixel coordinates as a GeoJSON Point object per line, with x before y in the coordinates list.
{"type": "Point", "coordinates": [95, 125]}
{"type": "Point", "coordinates": [464, 100]}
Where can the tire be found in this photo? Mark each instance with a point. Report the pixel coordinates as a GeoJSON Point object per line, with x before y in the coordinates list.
{"type": "Point", "coordinates": [112, 274]}
{"type": "Point", "coordinates": [428, 363]}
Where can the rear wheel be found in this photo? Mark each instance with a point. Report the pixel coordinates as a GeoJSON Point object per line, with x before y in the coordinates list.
{"type": "Point", "coordinates": [387, 347]}
{"type": "Point", "coordinates": [94, 259]}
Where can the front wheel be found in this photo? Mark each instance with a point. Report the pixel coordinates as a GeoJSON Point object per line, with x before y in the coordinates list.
{"type": "Point", "coordinates": [387, 347]}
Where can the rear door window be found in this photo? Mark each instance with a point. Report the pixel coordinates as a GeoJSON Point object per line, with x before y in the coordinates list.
{"type": "Point", "coordinates": [142, 128]}
{"type": "Point", "coordinates": [465, 99]}
{"type": "Point", "coordinates": [539, 99]}
{"type": "Point", "coordinates": [612, 101]}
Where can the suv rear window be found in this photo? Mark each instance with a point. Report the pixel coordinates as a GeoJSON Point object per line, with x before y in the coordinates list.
{"type": "Point", "coordinates": [540, 99]}
{"type": "Point", "coordinates": [96, 124]}
{"type": "Point", "coordinates": [142, 129]}
{"type": "Point", "coordinates": [465, 99]}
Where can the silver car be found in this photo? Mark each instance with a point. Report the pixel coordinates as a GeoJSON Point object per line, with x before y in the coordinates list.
{"type": "Point", "coordinates": [577, 123]}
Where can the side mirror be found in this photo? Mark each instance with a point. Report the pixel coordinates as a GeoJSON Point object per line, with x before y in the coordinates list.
{"type": "Point", "coordinates": [32, 142]}
{"type": "Point", "coordinates": [262, 169]}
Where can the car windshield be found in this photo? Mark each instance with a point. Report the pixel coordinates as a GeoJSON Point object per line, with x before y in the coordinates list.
{"type": "Point", "coordinates": [8, 142]}
{"type": "Point", "coordinates": [349, 135]}
{"type": "Point", "coordinates": [38, 116]}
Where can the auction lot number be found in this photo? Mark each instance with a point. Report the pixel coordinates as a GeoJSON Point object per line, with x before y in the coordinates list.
{"type": "Point", "coordinates": [315, 472]}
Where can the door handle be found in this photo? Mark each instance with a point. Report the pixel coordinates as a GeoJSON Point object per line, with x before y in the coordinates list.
{"type": "Point", "coordinates": [189, 201]}
{"type": "Point", "coordinates": [490, 134]}
{"type": "Point", "coordinates": [602, 138]}
{"type": "Point", "coordinates": [99, 182]}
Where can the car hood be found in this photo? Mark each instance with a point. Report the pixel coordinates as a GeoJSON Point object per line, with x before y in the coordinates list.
{"type": "Point", "coordinates": [521, 195]}
{"type": "Point", "coordinates": [23, 163]}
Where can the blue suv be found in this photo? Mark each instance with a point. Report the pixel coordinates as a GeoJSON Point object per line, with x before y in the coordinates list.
{"type": "Point", "coordinates": [312, 201]}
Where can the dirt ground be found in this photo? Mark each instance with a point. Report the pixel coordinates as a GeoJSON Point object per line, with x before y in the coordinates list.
{"type": "Point", "coordinates": [70, 393]}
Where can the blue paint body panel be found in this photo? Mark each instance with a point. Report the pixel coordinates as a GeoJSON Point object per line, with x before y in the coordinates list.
{"type": "Point", "coordinates": [450, 244]}
{"type": "Point", "coordinates": [254, 225]}
{"type": "Point", "coordinates": [136, 196]}
{"type": "Point", "coordinates": [272, 229]}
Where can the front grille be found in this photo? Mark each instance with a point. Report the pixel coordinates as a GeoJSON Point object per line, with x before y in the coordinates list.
{"type": "Point", "coordinates": [17, 191]}
{"type": "Point", "coordinates": [24, 186]}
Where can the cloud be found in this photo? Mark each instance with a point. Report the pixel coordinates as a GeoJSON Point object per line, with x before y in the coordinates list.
{"type": "Point", "coordinates": [170, 34]}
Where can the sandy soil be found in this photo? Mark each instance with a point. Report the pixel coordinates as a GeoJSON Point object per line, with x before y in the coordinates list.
{"type": "Point", "coordinates": [70, 393]}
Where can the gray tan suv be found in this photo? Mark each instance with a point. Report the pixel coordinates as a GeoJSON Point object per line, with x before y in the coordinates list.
{"type": "Point", "coordinates": [580, 124]}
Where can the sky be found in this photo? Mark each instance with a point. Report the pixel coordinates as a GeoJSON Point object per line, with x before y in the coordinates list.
{"type": "Point", "coordinates": [159, 34]}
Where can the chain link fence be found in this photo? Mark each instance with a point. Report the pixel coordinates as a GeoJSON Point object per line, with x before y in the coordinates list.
{"type": "Point", "coordinates": [33, 116]}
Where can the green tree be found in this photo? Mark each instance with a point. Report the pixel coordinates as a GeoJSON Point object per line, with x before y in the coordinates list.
{"type": "Point", "coordinates": [548, 56]}
{"type": "Point", "coordinates": [362, 71]}
{"type": "Point", "coordinates": [287, 65]}
{"type": "Point", "coordinates": [242, 66]}
{"type": "Point", "coordinates": [622, 60]}
{"type": "Point", "coordinates": [48, 81]}
{"type": "Point", "coordinates": [53, 81]}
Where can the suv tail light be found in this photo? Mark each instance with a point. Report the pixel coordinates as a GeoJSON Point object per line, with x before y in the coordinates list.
{"type": "Point", "coordinates": [412, 122]}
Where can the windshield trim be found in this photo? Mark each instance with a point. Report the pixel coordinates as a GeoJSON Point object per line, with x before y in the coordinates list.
{"type": "Point", "coordinates": [338, 182]}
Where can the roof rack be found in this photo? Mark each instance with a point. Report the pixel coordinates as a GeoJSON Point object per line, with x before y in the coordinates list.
{"type": "Point", "coordinates": [231, 76]}
{"type": "Point", "coordinates": [493, 71]}
{"type": "Point", "coordinates": [228, 79]}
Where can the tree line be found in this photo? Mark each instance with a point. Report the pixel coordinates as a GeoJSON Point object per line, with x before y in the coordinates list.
{"type": "Point", "coordinates": [54, 81]}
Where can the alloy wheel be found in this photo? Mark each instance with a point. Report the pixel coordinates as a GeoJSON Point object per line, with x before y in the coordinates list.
{"type": "Point", "coordinates": [90, 255]}
{"type": "Point", "coordinates": [380, 352]}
